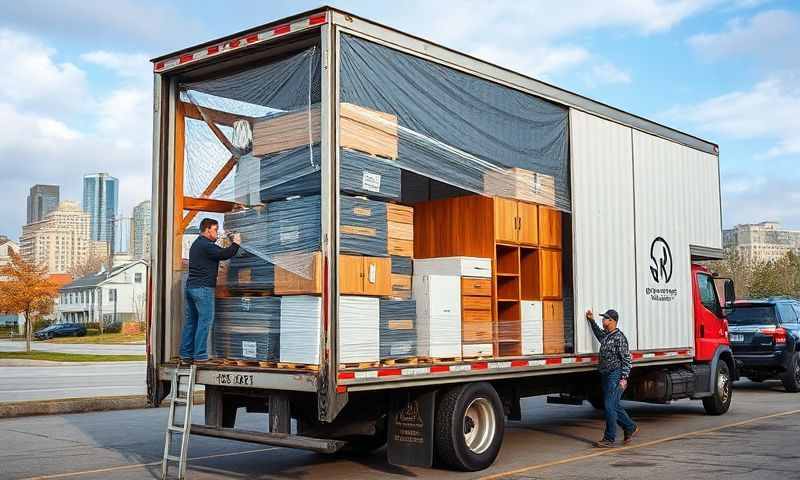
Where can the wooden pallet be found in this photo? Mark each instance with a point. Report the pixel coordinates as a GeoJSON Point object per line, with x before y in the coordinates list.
{"type": "Point", "coordinates": [360, 365]}
{"type": "Point", "coordinates": [230, 363]}
{"type": "Point", "coordinates": [440, 359]}
{"type": "Point", "coordinates": [267, 364]}
{"type": "Point", "coordinates": [233, 291]}
{"type": "Point", "coordinates": [247, 363]}
{"type": "Point", "coordinates": [478, 357]}
{"type": "Point", "coordinates": [298, 366]}
{"type": "Point", "coordinates": [400, 361]}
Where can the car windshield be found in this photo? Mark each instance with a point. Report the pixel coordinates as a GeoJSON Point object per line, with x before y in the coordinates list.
{"type": "Point", "coordinates": [753, 315]}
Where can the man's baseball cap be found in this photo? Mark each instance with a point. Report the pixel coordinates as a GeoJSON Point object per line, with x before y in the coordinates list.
{"type": "Point", "coordinates": [612, 314]}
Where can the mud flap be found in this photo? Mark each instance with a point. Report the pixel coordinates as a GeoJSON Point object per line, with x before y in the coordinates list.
{"type": "Point", "coordinates": [411, 425]}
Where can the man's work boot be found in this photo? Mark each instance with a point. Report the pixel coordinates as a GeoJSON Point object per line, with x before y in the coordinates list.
{"type": "Point", "coordinates": [629, 435]}
{"type": "Point", "coordinates": [208, 362]}
{"type": "Point", "coordinates": [604, 443]}
{"type": "Point", "coordinates": [185, 362]}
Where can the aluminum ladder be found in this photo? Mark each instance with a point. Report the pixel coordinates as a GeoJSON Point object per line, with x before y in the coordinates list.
{"type": "Point", "coordinates": [182, 430]}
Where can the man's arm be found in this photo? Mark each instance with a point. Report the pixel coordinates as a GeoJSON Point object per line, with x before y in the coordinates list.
{"type": "Point", "coordinates": [216, 252]}
{"type": "Point", "coordinates": [624, 356]}
{"type": "Point", "coordinates": [598, 332]}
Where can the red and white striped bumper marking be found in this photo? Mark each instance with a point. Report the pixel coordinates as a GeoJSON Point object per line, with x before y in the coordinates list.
{"type": "Point", "coordinates": [237, 43]}
{"type": "Point", "coordinates": [355, 375]}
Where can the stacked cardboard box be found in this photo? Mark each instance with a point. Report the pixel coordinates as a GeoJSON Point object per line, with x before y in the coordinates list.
{"type": "Point", "coordinates": [247, 328]}
{"type": "Point", "coordinates": [398, 335]}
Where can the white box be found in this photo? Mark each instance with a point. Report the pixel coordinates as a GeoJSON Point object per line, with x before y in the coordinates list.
{"type": "Point", "coordinates": [461, 266]}
{"type": "Point", "coordinates": [438, 299]}
{"type": "Point", "coordinates": [477, 349]}
{"type": "Point", "coordinates": [359, 324]}
{"type": "Point", "coordinates": [532, 328]}
{"type": "Point", "coordinates": [301, 320]}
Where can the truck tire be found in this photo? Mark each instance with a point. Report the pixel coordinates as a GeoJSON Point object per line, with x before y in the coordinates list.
{"type": "Point", "coordinates": [469, 426]}
{"type": "Point", "coordinates": [720, 401]}
{"type": "Point", "coordinates": [791, 378]}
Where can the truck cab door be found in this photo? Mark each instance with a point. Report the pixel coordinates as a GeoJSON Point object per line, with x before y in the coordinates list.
{"type": "Point", "coordinates": [711, 328]}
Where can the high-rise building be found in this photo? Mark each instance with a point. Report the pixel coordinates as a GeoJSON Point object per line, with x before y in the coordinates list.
{"type": "Point", "coordinates": [140, 231]}
{"type": "Point", "coordinates": [100, 201]}
{"type": "Point", "coordinates": [61, 241]}
{"type": "Point", "coordinates": [42, 200]}
{"type": "Point", "coordinates": [762, 242]}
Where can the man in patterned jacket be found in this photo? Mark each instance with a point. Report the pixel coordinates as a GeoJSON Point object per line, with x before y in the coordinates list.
{"type": "Point", "coordinates": [615, 367]}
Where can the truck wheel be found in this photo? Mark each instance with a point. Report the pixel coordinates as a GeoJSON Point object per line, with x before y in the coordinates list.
{"type": "Point", "coordinates": [720, 401]}
{"type": "Point", "coordinates": [469, 426]}
{"type": "Point", "coordinates": [791, 379]}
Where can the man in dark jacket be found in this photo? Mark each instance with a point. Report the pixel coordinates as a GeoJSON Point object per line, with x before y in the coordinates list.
{"type": "Point", "coordinates": [204, 258]}
{"type": "Point", "coordinates": [615, 368]}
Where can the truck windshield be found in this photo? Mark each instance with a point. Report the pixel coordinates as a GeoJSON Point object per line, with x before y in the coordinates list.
{"type": "Point", "coordinates": [753, 315]}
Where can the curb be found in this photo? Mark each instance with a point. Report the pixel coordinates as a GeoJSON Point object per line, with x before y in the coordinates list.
{"type": "Point", "coordinates": [80, 405]}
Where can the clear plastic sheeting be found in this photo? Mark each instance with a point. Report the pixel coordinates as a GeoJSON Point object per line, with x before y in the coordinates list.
{"type": "Point", "coordinates": [455, 128]}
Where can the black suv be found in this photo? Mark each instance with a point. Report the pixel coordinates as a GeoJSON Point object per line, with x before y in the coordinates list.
{"type": "Point", "coordinates": [765, 338]}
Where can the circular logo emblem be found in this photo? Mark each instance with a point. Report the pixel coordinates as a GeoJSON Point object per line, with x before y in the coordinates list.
{"type": "Point", "coordinates": [660, 261]}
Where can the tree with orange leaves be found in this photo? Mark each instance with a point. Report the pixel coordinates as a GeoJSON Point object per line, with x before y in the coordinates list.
{"type": "Point", "coordinates": [25, 289]}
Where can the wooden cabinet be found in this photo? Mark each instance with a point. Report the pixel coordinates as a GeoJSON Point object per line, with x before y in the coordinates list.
{"type": "Point", "coordinates": [357, 276]}
{"type": "Point", "coordinates": [365, 275]}
{"type": "Point", "coordinates": [549, 227]}
{"type": "Point", "coordinates": [476, 286]}
{"type": "Point", "coordinates": [515, 222]}
{"type": "Point", "coordinates": [476, 316]}
{"type": "Point", "coordinates": [553, 326]}
{"type": "Point", "coordinates": [550, 273]}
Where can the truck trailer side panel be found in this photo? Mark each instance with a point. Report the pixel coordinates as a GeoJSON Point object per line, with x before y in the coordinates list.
{"type": "Point", "coordinates": [602, 221]}
{"type": "Point", "coordinates": [677, 205]}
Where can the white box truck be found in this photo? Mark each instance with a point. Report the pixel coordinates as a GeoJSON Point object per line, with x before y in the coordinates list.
{"type": "Point", "coordinates": [306, 96]}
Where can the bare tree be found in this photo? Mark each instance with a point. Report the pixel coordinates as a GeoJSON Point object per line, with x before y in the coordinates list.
{"type": "Point", "coordinates": [91, 266]}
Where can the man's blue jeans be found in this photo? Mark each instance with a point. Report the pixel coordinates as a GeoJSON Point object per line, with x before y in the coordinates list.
{"type": "Point", "coordinates": [198, 314]}
{"type": "Point", "coordinates": [615, 414]}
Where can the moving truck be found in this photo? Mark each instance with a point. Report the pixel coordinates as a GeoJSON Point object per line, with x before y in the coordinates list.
{"type": "Point", "coordinates": [422, 234]}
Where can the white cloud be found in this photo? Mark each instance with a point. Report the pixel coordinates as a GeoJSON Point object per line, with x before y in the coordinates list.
{"type": "Point", "coordinates": [748, 198]}
{"type": "Point", "coordinates": [30, 77]}
{"type": "Point", "coordinates": [769, 37]}
{"type": "Point", "coordinates": [540, 61]}
{"type": "Point", "coordinates": [770, 110]}
{"type": "Point", "coordinates": [606, 73]}
{"type": "Point", "coordinates": [130, 65]}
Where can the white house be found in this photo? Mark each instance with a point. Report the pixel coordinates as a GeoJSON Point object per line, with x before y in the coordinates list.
{"type": "Point", "coordinates": [115, 296]}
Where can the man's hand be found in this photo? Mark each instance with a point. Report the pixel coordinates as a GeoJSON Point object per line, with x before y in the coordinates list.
{"type": "Point", "coordinates": [237, 238]}
{"type": "Point", "coordinates": [623, 383]}
{"type": "Point", "coordinates": [589, 315]}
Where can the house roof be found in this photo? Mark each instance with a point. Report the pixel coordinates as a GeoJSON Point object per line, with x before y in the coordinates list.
{"type": "Point", "coordinates": [98, 279]}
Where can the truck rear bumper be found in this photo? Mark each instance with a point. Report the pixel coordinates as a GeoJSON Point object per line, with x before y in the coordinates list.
{"type": "Point", "coordinates": [320, 445]}
{"type": "Point", "coordinates": [249, 377]}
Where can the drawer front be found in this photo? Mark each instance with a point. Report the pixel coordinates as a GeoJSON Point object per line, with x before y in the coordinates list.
{"type": "Point", "coordinates": [400, 248]}
{"type": "Point", "coordinates": [476, 267]}
{"type": "Point", "coordinates": [472, 331]}
{"type": "Point", "coordinates": [476, 303]}
{"type": "Point", "coordinates": [476, 286]}
{"type": "Point", "coordinates": [477, 350]}
{"type": "Point", "coordinates": [477, 316]}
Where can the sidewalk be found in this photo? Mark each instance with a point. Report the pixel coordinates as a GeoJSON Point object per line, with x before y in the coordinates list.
{"type": "Point", "coordinates": [95, 349]}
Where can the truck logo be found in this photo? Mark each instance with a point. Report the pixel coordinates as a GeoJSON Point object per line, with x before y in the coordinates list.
{"type": "Point", "coordinates": [660, 260]}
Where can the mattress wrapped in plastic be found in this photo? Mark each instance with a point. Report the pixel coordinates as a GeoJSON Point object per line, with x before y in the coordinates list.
{"type": "Point", "coordinates": [293, 226]}
{"type": "Point", "coordinates": [398, 334]}
{"type": "Point", "coordinates": [247, 328]}
{"type": "Point", "coordinates": [250, 272]}
{"type": "Point", "coordinates": [362, 226]}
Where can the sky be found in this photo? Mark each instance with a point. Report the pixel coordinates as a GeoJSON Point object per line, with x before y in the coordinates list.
{"type": "Point", "coordinates": [76, 82]}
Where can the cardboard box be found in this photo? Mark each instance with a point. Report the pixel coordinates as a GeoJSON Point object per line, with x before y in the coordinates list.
{"type": "Point", "coordinates": [521, 184]}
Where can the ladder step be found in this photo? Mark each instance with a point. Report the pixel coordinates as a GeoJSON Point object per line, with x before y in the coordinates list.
{"type": "Point", "coordinates": [175, 428]}
{"type": "Point", "coordinates": [172, 458]}
{"type": "Point", "coordinates": [183, 401]}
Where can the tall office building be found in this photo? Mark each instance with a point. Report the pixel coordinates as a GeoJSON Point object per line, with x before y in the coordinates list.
{"type": "Point", "coordinates": [140, 231]}
{"type": "Point", "coordinates": [100, 201]}
{"type": "Point", "coordinates": [42, 200]}
{"type": "Point", "coordinates": [763, 241]}
{"type": "Point", "coordinates": [61, 241]}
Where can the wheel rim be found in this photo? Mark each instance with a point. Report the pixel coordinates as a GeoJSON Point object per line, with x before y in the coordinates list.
{"type": "Point", "coordinates": [797, 370]}
{"type": "Point", "coordinates": [479, 425]}
{"type": "Point", "coordinates": [723, 386]}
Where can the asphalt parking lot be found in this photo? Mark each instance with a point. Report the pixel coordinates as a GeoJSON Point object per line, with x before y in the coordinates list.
{"type": "Point", "coordinates": [756, 439]}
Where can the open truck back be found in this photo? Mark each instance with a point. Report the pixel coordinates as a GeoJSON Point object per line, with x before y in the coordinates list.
{"type": "Point", "coordinates": [422, 232]}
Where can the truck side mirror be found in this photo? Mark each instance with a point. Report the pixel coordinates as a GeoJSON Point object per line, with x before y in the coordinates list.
{"type": "Point", "coordinates": [726, 293]}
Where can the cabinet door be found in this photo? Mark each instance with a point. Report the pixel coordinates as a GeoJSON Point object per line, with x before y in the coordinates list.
{"type": "Point", "coordinates": [351, 275]}
{"type": "Point", "coordinates": [550, 273]}
{"type": "Point", "coordinates": [553, 327]}
{"type": "Point", "coordinates": [377, 276]}
{"type": "Point", "coordinates": [528, 223]}
{"type": "Point", "coordinates": [549, 227]}
{"type": "Point", "coordinates": [505, 220]}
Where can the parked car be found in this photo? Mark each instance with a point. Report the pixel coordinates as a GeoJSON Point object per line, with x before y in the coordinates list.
{"type": "Point", "coordinates": [61, 330]}
{"type": "Point", "coordinates": [765, 338]}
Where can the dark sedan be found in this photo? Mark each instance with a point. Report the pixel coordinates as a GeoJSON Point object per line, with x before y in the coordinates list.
{"type": "Point", "coordinates": [765, 338]}
{"type": "Point", "coordinates": [61, 330]}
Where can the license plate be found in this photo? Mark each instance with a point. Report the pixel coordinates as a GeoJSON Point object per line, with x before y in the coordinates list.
{"type": "Point", "coordinates": [737, 337]}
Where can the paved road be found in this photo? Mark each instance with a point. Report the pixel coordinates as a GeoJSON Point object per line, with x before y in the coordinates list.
{"type": "Point", "coordinates": [17, 346]}
{"type": "Point", "coordinates": [71, 381]}
{"type": "Point", "coordinates": [756, 439]}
